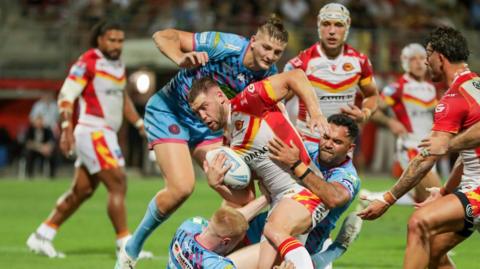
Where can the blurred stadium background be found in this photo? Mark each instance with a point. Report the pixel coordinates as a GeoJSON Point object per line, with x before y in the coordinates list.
{"type": "Point", "coordinates": [40, 39]}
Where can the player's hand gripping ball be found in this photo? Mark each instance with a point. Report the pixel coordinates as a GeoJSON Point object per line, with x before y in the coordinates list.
{"type": "Point", "coordinates": [238, 176]}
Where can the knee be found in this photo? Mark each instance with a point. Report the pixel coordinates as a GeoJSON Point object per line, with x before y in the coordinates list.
{"type": "Point", "coordinates": [271, 231]}
{"type": "Point", "coordinates": [183, 192]}
{"type": "Point", "coordinates": [417, 224]}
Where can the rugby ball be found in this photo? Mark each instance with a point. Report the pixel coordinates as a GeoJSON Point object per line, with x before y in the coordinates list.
{"type": "Point", "coordinates": [238, 176]}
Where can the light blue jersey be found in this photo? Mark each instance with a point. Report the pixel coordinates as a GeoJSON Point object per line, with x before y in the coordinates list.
{"type": "Point", "coordinates": [185, 252]}
{"type": "Point", "coordinates": [345, 174]}
{"type": "Point", "coordinates": [168, 116]}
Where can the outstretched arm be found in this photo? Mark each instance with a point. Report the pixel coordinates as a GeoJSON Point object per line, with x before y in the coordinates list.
{"type": "Point", "coordinates": [416, 170]}
{"type": "Point", "coordinates": [178, 46]}
{"type": "Point", "coordinates": [297, 82]}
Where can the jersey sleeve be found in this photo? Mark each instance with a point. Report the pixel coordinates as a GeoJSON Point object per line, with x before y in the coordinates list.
{"type": "Point", "coordinates": [391, 94]}
{"type": "Point", "coordinates": [346, 179]}
{"type": "Point", "coordinates": [218, 45]}
{"type": "Point", "coordinates": [256, 99]}
{"type": "Point", "coordinates": [298, 62]}
{"type": "Point", "coordinates": [312, 148]}
{"type": "Point", "coordinates": [366, 74]}
{"type": "Point", "coordinates": [81, 71]}
{"type": "Point", "coordinates": [450, 114]}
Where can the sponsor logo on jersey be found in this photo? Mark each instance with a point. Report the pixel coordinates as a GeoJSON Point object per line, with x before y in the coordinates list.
{"type": "Point", "coordinates": [174, 129]}
{"type": "Point", "coordinates": [217, 39]}
{"type": "Point", "coordinates": [469, 211]}
{"type": "Point", "coordinates": [238, 125]}
{"type": "Point", "coordinates": [78, 69]}
{"type": "Point", "coordinates": [336, 97]}
{"type": "Point", "coordinates": [203, 38]}
{"type": "Point", "coordinates": [333, 66]}
{"type": "Point", "coordinates": [257, 154]}
{"type": "Point", "coordinates": [241, 77]}
{"type": "Point", "coordinates": [347, 67]}
{"type": "Point", "coordinates": [440, 108]}
{"type": "Point", "coordinates": [251, 88]}
{"type": "Point", "coordinates": [296, 62]}
{"type": "Point", "coordinates": [476, 84]}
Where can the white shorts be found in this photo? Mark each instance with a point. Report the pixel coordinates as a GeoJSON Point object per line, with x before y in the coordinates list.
{"type": "Point", "coordinates": [97, 148]}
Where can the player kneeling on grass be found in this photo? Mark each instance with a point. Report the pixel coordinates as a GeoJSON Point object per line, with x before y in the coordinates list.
{"type": "Point", "coordinates": [253, 118]}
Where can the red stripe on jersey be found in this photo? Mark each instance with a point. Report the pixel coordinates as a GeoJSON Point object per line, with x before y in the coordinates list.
{"type": "Point", "coordinates": [401, 112]}
{"type": "Point", "coordinates": [333, 86]}
{"type": "Point", "coordinates": [284, 130]}
{"type": "Point", "coordinates": [92, 104]}
{"type": "Point", "coordinates": [418, 101]}
{"type": "Point", "coordinates": [252, 129]}
{"type": "Point", "coordinates": [110, 76]}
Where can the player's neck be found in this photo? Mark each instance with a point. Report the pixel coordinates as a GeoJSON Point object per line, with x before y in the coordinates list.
{"type": "Point", "coordinates": [416, 78]}
{"type": "Point", "coordinates": [331, 53]}
{"type": "Point", "coordinates": [207, 241]}
{"type": "Point", "coordinates": [249, 61]}
{"type": "Point", "coordinates": [453, 71]}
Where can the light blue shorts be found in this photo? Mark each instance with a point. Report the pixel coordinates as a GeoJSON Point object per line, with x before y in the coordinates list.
{"type": "Point", "coordinates": [172, 121]}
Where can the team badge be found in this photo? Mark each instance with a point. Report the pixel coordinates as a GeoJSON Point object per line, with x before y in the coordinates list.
{"type": "Point", "coordinates": [174, 129]}
{"type": "Point", "coordinates": [238, 125]}
{"type": "Point", "coordinates": [334, 67]}
{"type": "Point", "coordinates": [347, 67]}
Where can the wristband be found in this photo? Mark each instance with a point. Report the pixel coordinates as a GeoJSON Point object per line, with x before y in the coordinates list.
{"type": "Point", "coordinates": [139, 123]}
{"type": "Point", "coordinates": [65, 124]}
{"type": "Point", "coordinates": [308, 171]}
{"type": "Point", "coordinates": [389, 198]}
{"type": "Point", "coordinates": [297, 163]}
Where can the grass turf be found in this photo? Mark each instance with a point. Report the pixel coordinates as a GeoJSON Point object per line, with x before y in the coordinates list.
{"type": "Point", "coordinates": [88, 238]}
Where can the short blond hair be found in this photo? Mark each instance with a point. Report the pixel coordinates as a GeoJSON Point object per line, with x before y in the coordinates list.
{"type": "Point", "coordinates": [228, 222]}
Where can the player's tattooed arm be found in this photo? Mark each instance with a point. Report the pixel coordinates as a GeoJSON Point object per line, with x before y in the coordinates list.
{"type": "Point", "coordinates": [415, 172]}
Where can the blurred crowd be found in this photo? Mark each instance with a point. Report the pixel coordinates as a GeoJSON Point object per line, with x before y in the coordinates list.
{"type": "Point", "coordinates": [195, 15]}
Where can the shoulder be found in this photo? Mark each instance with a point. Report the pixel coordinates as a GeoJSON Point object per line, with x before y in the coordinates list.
{"type": "Point", "coordinates": [89, 55]}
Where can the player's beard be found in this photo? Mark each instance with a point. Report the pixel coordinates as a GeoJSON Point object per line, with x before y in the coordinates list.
{"type": "Point", "coordinates": [113, 54]}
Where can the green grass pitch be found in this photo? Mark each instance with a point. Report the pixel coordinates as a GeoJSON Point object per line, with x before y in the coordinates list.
{"type": "Point", "coordinates": [88, 238]}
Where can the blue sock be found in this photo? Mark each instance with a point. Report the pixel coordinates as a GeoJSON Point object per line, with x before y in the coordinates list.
{"type": "Point", "coordinates": [324, 258]}
{"type": "Point", "coordinates": [150, 222]}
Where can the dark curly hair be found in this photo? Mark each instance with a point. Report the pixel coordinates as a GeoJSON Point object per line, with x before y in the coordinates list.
{"type": "Point", "coordinates": [449, 42]}
{"type": "Point", "coordinates": [345, 121]}
{"type": "Point", "coordinates": [101, 28]}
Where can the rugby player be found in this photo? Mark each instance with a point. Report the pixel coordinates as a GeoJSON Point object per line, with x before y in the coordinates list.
{"type": "Point", "coordinates": [252, 119]}
{"type": "Point", "coordinates": [336, 71]}
{"type": "Point", "coordinates": [433, 232]}
{"type": "Point", "coordinates": [412, 99]}
{"type": "Point", "coordinates": [98, 80]}
{"type": "Point", "coordinates": [173, 131]}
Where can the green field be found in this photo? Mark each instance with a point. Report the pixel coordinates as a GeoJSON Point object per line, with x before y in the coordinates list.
{"type": "Point", "coordinates": [88, 239]}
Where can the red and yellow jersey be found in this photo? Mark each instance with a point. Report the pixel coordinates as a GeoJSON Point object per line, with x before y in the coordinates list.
{"type": "Point", "coordinates": [336, 81]}
{"type": "Point", "coordinates": [255, 119]}
{"type": "Point", "coordinates": [459, 109]}
{"type": "Point", "coordinates": [103, 82]}
{"type": "Point", "coordinates": [413, 103]}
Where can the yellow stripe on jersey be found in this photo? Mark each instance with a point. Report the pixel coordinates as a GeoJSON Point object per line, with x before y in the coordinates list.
{"type": "Point", "coordinates": [389, 100]}
{"type": "Point", "coordinates": [78, 80]}
{"type": "Point", "coordinates": [429, 104]}
{"type": "Point", "coordinates": [331, 89]}
{"type": "Point", "coordinates": [253, 133]}
{"type": "Point", "coordinates": [366, 81]}
{"type": "Point", "coordinates": [120, 82]}
{"type": "Point", "coordinates": [269, 89]}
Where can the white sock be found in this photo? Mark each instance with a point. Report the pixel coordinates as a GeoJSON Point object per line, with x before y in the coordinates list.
{"type": "Point", "coordinates": [292, 250]}
{"type": "Point", "coordinates": [122, 240]}
{"type": "Point", "coordinates": [46, 231]}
